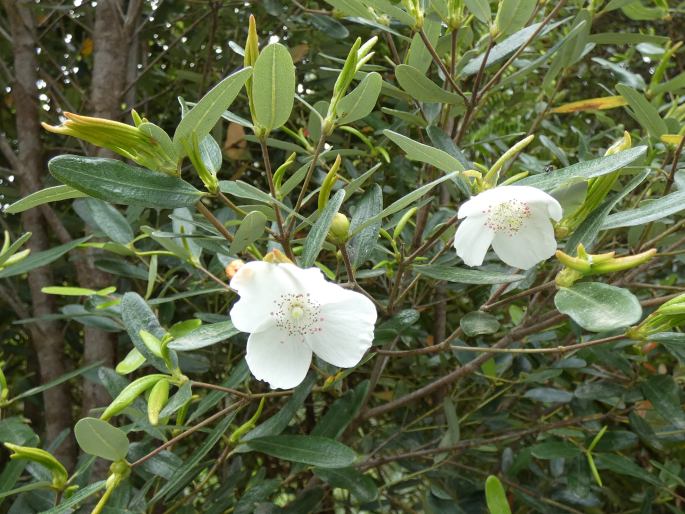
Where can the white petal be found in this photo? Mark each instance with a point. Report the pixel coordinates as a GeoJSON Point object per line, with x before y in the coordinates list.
{"type": "Point", "coordinates": [476, 204]}
{"type": "Point", "coordinates": [275, 357]}
{"type": "Point", "coordinates": [346, 330]}
{"type": "Point", "coordinates": [472, 240]}
{"type": "Point", "coordinates": [533, 243]}
{"type": "Point", "coordinates": [260, 284]}
{"type": "Point", "coordinates": [536, 197]}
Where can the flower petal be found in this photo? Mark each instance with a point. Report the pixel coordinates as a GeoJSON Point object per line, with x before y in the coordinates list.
{"type": "Point", "coordinates": [346, 330]}
{"type": "Point", "coordinates": [277, 358]}
{"type": "Point", "coordinates": [260, 284]}
{"type": "Point", "coordinates": [538, 198]}
{"type": "Point", "coordinates": [472, 240]}
{"type": "Point", "coordinates": [533, 243]}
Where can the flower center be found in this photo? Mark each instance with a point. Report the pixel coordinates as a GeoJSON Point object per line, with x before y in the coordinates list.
{"type": "Point", "coordinates": [297, 314]}
{"type": "Point", "coordinates": [507, 217]}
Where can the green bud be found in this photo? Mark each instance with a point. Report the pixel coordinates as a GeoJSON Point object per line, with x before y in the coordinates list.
{"type": "Point", "coordinates": [585, 264]}
{"type": "Point", "coordinates": [4, 390]}
{"type": "Point", "coordinates": [133, 360]}
{"type": "Point", "coordinates": [159, 395]}
{"type": "Point", "coordinates": [130, 393]}
{"type": "Point", "coordinates": [492, 176]}
{"type": "Point", "coordinates": [280, 172]}
{"type": "Point", "coordinates": [328, 183]}
{"type": "Point", "coordinates": [248, 425]}
{"type": "Point", "coordinates": [195, 155]}
{"type": "Point", "coordinates": [151, 342]}
{"type": "Point", "coordinates": [45, 459]}
{"type": "Point", "coordinates": [667, 317]}
{"type": "Point", "coordinates": [340, 228]}
{"type": "Point", "coordinates": [403, 222]}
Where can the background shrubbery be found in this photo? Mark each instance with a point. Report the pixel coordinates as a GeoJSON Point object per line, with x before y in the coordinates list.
{"type": "Point", "coordinates": [595, 428]}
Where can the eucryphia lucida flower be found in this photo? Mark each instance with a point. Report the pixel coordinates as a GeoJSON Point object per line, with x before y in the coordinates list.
{"type": "Point", "coordinates": [515, 220]}
{"type": "Point", "coordinates": [291, 313]}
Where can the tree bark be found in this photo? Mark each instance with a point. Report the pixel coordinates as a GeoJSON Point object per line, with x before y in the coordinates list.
{"type": "Point", "coordinates": [46, 335]}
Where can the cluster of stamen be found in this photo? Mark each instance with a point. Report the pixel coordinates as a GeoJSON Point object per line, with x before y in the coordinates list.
{"type": "Point", "coordinates": [297, 314]}
{"type": "Point", "coordinates": [507, 217]}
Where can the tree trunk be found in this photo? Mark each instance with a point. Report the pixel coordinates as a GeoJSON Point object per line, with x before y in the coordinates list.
{"type": "Point", "coordinates": [46, 335]}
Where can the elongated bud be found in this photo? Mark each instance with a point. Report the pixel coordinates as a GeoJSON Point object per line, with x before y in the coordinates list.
{"type": "Point", "coordinates": [403, 222]}
{"type": "Point", "coordinates": [153, 344]}
{"type": "Point", "coordinates": [133, 360]}
{"type": "Point", "coordinates": [252, 43]}
{"type": "Point", "coordinates": [129, 394]}
{"type": "Point", "coordinates": [340, 228]}
{"type": "Point", "coordinates": [276, 257]}
{"type": "Point", "coordinates": [492, 176]}
{"type": "Point", "coordinates": [45, 459]}
{"type": "Point", "coordinates": [248, 425]}
{"type": "Point", "coordinates": [280, 172]}
{"type": "Point", "coordinates": [625, 143]}
{"type": "Point", "coordinates": [585, 264]}
{"type": "Point", "coordinates": [329, 182]}
{"type": "Point", "coordinates": [159, 395]}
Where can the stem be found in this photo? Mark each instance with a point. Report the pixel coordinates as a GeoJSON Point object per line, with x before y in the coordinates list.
{"type": "Point", "coordinates": [307, 179]}
{"type": "Point", "coordinates": [474, 94]}
{"type": "Point", "coordinates": [231, 205]}
{"type": "Point", "coordinates": [279, 219]}
{"type": "Point", "coordinates": [214, 221]}
{"type": "Point", "coordinates": [441, 65]}
{"type": "Point", "coordinates": [188, 432]}
{"type": "Point", "coordinates": [348, 264]}
{"type": "Point", "coordinates": [674, 166]}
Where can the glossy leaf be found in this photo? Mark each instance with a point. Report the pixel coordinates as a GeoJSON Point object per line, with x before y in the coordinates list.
{"type": "Point", "coordinates": [205, 335]}
{"type": "Point", "coordinates": [313, 450]}
{"type": "Point", "coordinates": [361, 486]}
{"type": "Point", "coordinates": [465, 276]}
{"type": "Point", "coordinates": [649, 211]}
{"type": "Point", "coordinates": [496, 497]}
{"type": "Point", "coordinates": [47, 195]}
{"type": "Point", "coordinates": [318, 233]}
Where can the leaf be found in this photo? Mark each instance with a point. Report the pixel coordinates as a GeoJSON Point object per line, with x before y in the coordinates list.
{"type": "Point", "coordinates": [672, 139]}
{"type": "Point", "coordinates": [187, 471]}
{"type": "Point", "coordinates": [586, 233]}
{"type": "Point", "coordinates": [36, 260]}
{"type": "Point", "coordinates": [117, 182]}
{"type": "Point", "coordinates": [361, 486]}
{"type": "Point", "coordinates": [554, 450]}
{"type": "Point", "coordinates": [251, 228]}
{"type": "Point", "coordinates": [204, 336]}
{"type": "Point", "coordinates": [362, 244]}
{"type": "Point", "coordinates": [47, 195]}
{"type": "Point", "coordinates": [586, 169]}
{"type": "Point", "coordinates": [424, 89]}
{"type": "Point", "coordinates": [341, 412]}
{"type": "Point", "coordinates": [602, 103]}
{"type": "Point", "coordinates": [496, 496]}
{"type": "Point", "coordinates": [59, 380]}
{"type": "Point", "coordinates": [646, 114]}
{"type": "Point", "coordinates": [317, 234]}
{"type": "Point", "coordinates": [598, 307]}
{"type": "Point", "coordinates": [137, 316]}
{"type": "Point", "coordinates": [110, 221]}
{"type": "Point", "coordinates": [465, 276]}
{"type": "Point", "coordinates": [548, 395]}
{"type": "Point", "coordinates": [360, 101]}
{"type": "Point", "coordinates": [203, 116]}
{"type": "Point", "coordinates": [99, 438]}
{"type": "Point", "coordinates": [480, 9]}
{"type": "Point", "coordinates": [66, 505]}
{"type": "Point", "coordinates": [624, 466]}
{"type": "Point", "coordinates": [477, 323]}
{"type": "Point", "coordinates": [178, 400]}
{"type": "Point", "coordinates": [512, 15]}
{"type": "Point", "coordinates": [305, 449]}
{"type": "Point", "coordinates": [664, 394]}
{"type": "Point", "coordinates": [273, 86]}
{"type": "Point", "coordinates": [506, 47]}
{"type": "Point", "coordinates": [649, 211]}
{"type": "Point", "coordinates": [423, 153]}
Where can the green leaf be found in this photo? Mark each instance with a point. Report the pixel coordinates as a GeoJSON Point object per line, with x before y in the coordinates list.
{"type": "Point", "coordinates": [99, 438]}
{"type": "Point", "coordinates": [273, 86]}
{"type": "Point", "coordinates": [424, 89]}
{"type": "Point", "coordinates": [110, 221]}
{"type": "Point", "coordinates": [36, 260]}
{"type": "Point", "coordinates": [317, 234]}
{"type": "Point", "coordinates": [480, 9]}
{"type": "Point", "coordinates": [675, 84]}
{"type": "Point", "coordinates": [465, 276]}
{"type": "Point", "coordinates": [47, 195]}
{"type": "Point", "coordinates": [361, 486]}
{"type": "Point", "coordinates": [598, 307]}
{"type": "Point", "coordinates": [178, 400]}
{"type": "Point", "coordinates": [351, 8]}
{"type": "Point", "coordinates": [137, 316]}
{"type": "Point", "coordinates": [649, 211]}
{"type": "Point", "coordinates": [69, 291]}
{"type": "Point", "coordinates": [418, 55]}
{"type": "Point", "coordinates": [341, 412]}
{"type": "Point", "coordinates": [554, 450]}
{"type": "Point", "coordinates": [496, 496]}
{"type": "Point", "coordinates": [188, 471]}
{"type": "Point", "coordinates": [360, 101]}
{"type": "Point", "coordinates": [586, 169]}
{"type": "Point", "coordinates": [362, 244]}
{"type": "Point", "coordinates": [646, 114]}
{"type": "Point", "coordinates": [251, 228]}
{"type": "Point", "coordinates": [664, 394]}
{"type": "Point", "coordinates": [624, 466]}
{"type": "Point", "coordinates": [548, 395]}
{"type": "Point", "coordinates": [204, 336]}
{"type": "Point", "coordinates": [59, 380]}
{"type": "Point", "coordinates": [512, 15]}
{"type": "Point", "coordinates": [117, 182]}
{"type": "Point", "coordinates": [586, 233]}
{"type": "Point", "coordinates": [204, 115]}
{"type": "Point", "coordinates": [477, 323]}
{"type": "Point", "coordinates": [423, 153]}
{"type": "Point", "coordinates": [305, 449]}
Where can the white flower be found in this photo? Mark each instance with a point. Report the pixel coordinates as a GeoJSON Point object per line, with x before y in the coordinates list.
{"type": "Point", "coordinates": [291, 313]}
{"type": "Point", "coordinates": [514, 219]}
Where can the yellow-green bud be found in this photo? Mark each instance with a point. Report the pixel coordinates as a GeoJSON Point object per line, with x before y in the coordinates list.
{"type": "Point", "coordinates": [340, 228]}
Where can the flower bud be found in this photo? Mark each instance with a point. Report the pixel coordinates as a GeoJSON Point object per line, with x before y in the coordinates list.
{"type": "Point", "coordinates": [45, 459]}
{"type": "Point", "coordinates": [668, 316]}
{"type": "Point", "coordinates": [585, 264]}
{"type": "Point", "coordinates": [233, 267]}
{"type": "Point", "coordinates": [159, 395]}
{"type": "Point", "coordinates": [328, 183]}
{"type": "Point", "coordinates": [340, 228]}
{"type": "Point", "coordinates": [128, 395]}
